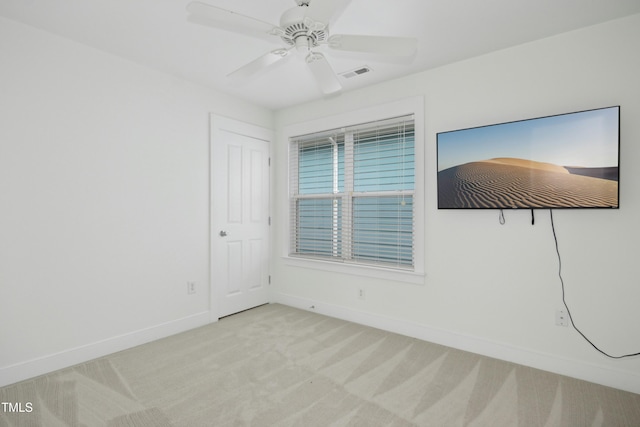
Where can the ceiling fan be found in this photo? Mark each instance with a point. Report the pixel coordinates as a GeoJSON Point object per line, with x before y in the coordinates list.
{"type": "Point", "coordinates": [305, 28]}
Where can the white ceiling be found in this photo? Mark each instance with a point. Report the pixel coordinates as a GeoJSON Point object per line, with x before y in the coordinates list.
{"type": "Point", "coordinates": [156, 33]}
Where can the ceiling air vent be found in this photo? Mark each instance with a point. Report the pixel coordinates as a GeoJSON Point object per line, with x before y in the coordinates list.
{"type": "Point", "coordinates": [358, 71]}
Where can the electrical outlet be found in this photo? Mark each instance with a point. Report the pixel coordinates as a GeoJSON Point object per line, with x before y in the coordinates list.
{"type": "Point", "coordinates": [191, 288]}
{"type": "Point", "coordinates": [361, 293]}
{"type": "Point", "coordinates": [562, 318]}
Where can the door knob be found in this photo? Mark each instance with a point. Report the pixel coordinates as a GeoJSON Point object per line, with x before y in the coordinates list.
{"type": "Point", "coordinates": [223, 233]}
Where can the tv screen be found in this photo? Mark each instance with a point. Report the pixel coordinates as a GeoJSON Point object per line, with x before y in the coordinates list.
{"type": "Point", "coordinates": [562, 161]}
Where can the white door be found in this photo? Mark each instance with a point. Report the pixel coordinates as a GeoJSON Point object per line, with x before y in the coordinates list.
{"type": "Point", "coordinates": [240, 216]}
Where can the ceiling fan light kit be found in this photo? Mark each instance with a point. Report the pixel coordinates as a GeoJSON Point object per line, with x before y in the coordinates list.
{"type": "Point", "coordinates": [304, 27]}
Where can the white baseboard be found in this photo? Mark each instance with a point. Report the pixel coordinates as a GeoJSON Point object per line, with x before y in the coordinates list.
{"type": "Point", "coordinates": [35, 367]}
{"type": "Point", "coordinates": [623, 380]}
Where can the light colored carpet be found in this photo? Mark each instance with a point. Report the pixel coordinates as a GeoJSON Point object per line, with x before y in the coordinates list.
{"type": "Point", "coordinates": [279, 366]}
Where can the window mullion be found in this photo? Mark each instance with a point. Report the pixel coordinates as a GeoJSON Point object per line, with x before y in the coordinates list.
{"type": "Point", "coordinates": [347, 198]}
{"type": "Point", "coordinates": [336, 189]}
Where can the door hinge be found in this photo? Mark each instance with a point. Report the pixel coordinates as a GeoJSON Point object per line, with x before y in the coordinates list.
{"type": "Point", "coordinates": [269, 279]}
{"type": "Point", "coordinates": [269, 220]}
{"type": "Point", "coordinates": [269, 161]}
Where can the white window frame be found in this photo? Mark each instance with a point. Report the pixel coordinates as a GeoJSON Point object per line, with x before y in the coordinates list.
{"type": "Point", "coordinates": [402, 107]}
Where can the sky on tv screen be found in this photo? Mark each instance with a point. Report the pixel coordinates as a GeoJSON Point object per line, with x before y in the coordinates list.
{"type": "Point", "coordinates": [583, 139]}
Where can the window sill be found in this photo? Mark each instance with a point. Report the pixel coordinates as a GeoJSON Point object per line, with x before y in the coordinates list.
{"type": "Point", "coordinates": [357, 270]}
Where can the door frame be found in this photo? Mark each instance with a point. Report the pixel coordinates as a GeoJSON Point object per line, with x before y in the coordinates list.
{"type": "Point", "coordinates": [217, 125]}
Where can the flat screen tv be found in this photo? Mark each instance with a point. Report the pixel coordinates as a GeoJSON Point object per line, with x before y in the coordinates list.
{"type": "Point", "coordinates": [562, 161]}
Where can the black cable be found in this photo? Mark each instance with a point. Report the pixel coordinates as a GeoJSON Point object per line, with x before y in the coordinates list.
{"type": "Point", "coordinates": [555, 238]}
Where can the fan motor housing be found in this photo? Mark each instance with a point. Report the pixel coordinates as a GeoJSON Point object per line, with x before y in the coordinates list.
{"type": "Point", "coordinates": [293, 24]}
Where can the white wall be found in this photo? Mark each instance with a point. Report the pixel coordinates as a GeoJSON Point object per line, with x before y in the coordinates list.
{"type": "Point", "coordinates": [490, 288]}
{"type": "Point", "coordinates": [104, 201]}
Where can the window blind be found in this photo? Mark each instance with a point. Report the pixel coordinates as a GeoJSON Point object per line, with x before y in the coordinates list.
{"type": "Point", "coordinates": [351, 194]}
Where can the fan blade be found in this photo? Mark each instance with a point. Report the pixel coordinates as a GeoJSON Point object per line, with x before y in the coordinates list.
{"type": "Point", "coordinates": [392, 46]}
{"type": "Point", "coordinates": [323, 73]}
{"type": "Point", "coordinates": [259, 64]}
{"type": "Point", "coordinates": [326, 11]}
{"type": "Point", "coordinates": [211, 16]}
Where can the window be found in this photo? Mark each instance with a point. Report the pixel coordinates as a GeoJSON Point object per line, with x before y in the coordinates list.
{"type": "Point", "coordinates": [352, 192]}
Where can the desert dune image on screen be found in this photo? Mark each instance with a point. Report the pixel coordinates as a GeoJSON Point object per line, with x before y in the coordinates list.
{"type": "Point", "coordinates": [563, 161]}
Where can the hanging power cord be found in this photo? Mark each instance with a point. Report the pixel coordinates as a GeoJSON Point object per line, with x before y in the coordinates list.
{"type": "Point", "coordinates": [503, 221]}
{"type": "Point", "coordinates": [555, 238]}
